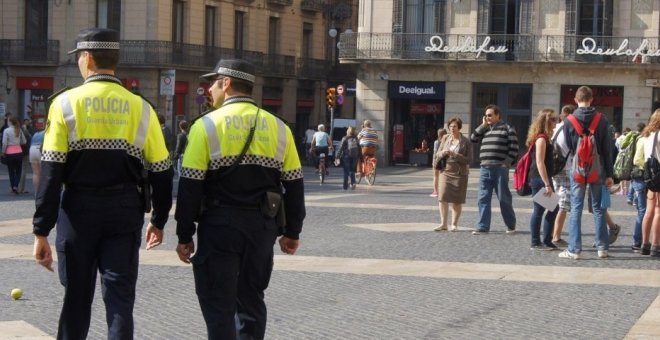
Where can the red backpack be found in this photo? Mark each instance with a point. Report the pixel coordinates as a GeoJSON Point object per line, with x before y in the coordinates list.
{"type": "Point", "coordinates": [521, 174]}
{"type": "Point", "coordinates": [586, 167]}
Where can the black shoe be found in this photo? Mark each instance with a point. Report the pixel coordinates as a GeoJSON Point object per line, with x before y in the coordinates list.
{"type": "Point", "coordinates": [636, 248]}
{"type": "Point", "coordinates": [540, 247]}
{"type": "Point", "coordinates": [646, 249]}
{"type": "Point", "coordinates": [655, 251]}
{"type": "Point", "coordinates": [551, 246]}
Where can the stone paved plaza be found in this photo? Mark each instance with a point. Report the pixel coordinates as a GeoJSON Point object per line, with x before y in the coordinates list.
{"type": "Point", "coordinates": [370, 267]}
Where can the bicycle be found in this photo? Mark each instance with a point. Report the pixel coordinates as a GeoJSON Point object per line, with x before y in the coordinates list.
{"type": "Point", "coordinates": [322, 170]}
{"type": "Point", "coordinates": [368, 170]}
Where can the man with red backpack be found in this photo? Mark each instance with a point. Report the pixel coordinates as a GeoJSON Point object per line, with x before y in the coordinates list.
{"type": "Point", "coordinates": [588, 140]}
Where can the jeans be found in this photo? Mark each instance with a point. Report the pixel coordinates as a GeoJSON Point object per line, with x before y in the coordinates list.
{"type": "Point", "coordinates": [349, 170]}
{"type": "Point", "coordinates": [495, 178]}
{"type": "Point", "coordinates": [638, 188]}
{"type": "Point", "coordinates": [575, 221]}
{"type": "Point", "coordinates": [537, 214]}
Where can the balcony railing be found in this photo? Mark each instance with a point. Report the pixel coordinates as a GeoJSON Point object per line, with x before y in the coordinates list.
{"type": "Point", "coordinates": [526, 48]}
{"type": "Point", "coordinates": [281, 2]}
{"type": "Point", "coordinates": [24, 52]}
{"type": "Point", "coordinates": [312, 5]}
{"type": "Point", "coordinates": [312, 68]}
{"type": "Point", "coordinates": [165, 54]}
{"type": "Point", "coordinates": [162, 54]}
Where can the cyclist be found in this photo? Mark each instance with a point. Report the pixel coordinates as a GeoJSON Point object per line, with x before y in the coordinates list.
{"type": "Point", "coordinates": [321, 144]}
{"type": "Point", "coordinates": [368, 142]}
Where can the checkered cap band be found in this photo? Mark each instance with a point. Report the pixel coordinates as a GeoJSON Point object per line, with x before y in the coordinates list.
{"type": "Point", "coordinates": [97, 45]}
{"type": "Point", "coordinates": [235, 74]}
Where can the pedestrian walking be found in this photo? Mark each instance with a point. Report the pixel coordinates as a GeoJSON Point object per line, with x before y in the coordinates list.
{"type": "Point", "coordinates": [100, 138]}
{"type": "Point", "coordinates": [35, 158]}
{"type": "Point", "coordinates": [651, 221]}
{"type": "Point", "coordinates": [12, 141]}
{"type": "Point", "coordinates": [498, 152]}
{"type": "Point", "coordinates": [238, 158]}
{"type": "Point", "coordinates": [181, 142]}
{"type": "Point", "coordinates": [561, 183]}
{"type": "Point", "coordinates": [540, 177]}
{"type": "Point", "coordinates": [349, 153]}
{"type": "Point", "coordinates": [28, 131]}
{"type": "Point", "coordinates": [595, 169]}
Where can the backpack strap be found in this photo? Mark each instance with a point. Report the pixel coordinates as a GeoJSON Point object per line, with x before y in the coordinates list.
{"type": "Point", "coordinates": [576, 124]}
{"type": "Point", "coordinates": [594, 123]}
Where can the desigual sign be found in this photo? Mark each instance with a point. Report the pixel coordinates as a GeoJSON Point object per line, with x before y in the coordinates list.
{"type": "Point", "coordinates": [416, 89]}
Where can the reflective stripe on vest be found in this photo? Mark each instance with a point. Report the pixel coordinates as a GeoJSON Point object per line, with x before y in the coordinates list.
{"type": "Point", "coordinates": [212, 136]}
{"type": "Point", "coordinates": [281, 141]}
{"type": "Point", "coordinates": [143, 127]}
{"type": "Point", "coordinates": [69, 117]}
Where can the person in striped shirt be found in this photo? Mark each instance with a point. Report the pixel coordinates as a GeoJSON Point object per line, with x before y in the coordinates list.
{"type": "Point", "coordinates": [368, 138]}
{"type": "Point", "coordinates": [498, 152]}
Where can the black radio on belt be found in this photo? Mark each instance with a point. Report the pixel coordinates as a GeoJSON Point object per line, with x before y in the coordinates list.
{"type": "Point", "coordinates": [145, 190]}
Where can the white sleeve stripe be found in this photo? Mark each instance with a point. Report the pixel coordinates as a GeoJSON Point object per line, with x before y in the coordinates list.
{"type": "Point", "coordinates": [69, 117]}
{"type": "Point", "coordinates": [143, 127]}
{"type": "Point", "coordinates": [212, 137]}
{"type": "Point", "coordinates": [281, 140]}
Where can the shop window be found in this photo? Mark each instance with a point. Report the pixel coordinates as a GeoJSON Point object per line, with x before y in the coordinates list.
{"type": "Point", "coordinates": [486, 95]}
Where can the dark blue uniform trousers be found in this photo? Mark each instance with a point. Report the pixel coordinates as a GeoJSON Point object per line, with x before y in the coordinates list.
{"type": "Point", "coordinates": [98, 231]}
{"type": "Point", "coordinates": [232, 268]}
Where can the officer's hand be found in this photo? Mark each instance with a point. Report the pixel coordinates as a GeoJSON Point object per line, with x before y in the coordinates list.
{"type": "Point", "coordinates": [185, 251]}
{"type": "Point", "coordinates": [42, 252]}
{"type": "Point", "coordinates": [153, 237]}
{"type": "Point", "coordinates": [289, 246]}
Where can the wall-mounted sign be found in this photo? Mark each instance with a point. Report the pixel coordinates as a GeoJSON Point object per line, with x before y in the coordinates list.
{"type": "Point", "coordinates": [469, 45]}
{"type": "Point", "coordinates": [167, 81]}
{"type": "Point", "coordinates": [416, 89]}
{"type": "Point", "coordinates": [590, 46]}
{"type": "Point", "coordinates": [652, 82]}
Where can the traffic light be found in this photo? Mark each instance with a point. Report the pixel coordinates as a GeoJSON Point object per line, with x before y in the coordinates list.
{"type": "Point", "coordinates": [330, 97]}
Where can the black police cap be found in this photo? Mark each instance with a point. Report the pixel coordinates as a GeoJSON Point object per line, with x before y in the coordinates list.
{"type": "Point", "coordinates": [97, 39]}
{"type": "Point", "coordinates": [234, 68]}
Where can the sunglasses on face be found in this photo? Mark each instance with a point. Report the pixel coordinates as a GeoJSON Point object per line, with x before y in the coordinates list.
{"type": "Point", "coordinates": [489, 115]}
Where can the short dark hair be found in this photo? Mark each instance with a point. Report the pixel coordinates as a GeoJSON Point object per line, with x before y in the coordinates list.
{"type": "Point", "coordinates": [240, 85]}
{"type": "Point", "coordinates": [458, 121]}
{"type": "Point", "coordinates": [105, 59]}
{"type": "Point", "coordinates": [495, 109]}
{"type": "Point", "coordinates": [183, 125]}
{"type": "Point", "coordinates": [161, 119]}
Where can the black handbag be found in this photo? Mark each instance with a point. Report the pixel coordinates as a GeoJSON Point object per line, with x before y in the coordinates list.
{"type": "Point", "coordinates": [441, 163]}
{"type": "Point", "coordinates": [652, 169]}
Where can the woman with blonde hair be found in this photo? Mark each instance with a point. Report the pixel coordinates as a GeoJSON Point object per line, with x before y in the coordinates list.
{"type": "Point", "coordinates": [12, 139]}
{"type": "Point", "coordinates": [538, 138]}
{"type": "Point", "coordinates": [651, 221]}
{"type": "Point", "coordinates": [453, 176]}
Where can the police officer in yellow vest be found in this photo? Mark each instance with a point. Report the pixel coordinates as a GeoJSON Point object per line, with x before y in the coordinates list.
{"type": "Point", "coordinates": [98, 140]}
{"type": "Point", "coordinates": [234, 259]}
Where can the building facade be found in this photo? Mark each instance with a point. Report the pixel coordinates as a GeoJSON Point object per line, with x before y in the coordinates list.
{"type": "Point", "coordinates": [167, 44]}
{"type": "Point", "coordinates": [423, 62]}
